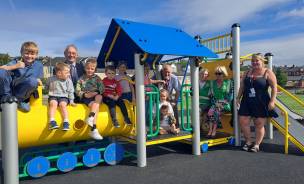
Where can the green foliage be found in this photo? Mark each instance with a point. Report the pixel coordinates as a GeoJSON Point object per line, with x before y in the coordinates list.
{"type": "Point", "coordinates": [4, 59]}
{"type": "Point", "coordinates": [43, 80]}
{"type": "Point", "coordinates": [281, 77]}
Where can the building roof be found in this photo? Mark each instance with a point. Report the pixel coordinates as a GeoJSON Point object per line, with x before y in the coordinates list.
{"type": "Point", "coordinates": [125, 38]}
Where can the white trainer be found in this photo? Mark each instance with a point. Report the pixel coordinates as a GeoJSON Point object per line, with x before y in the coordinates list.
{"type": "Point", "coordinates": [95, 135]}
{"type": "Point", "coordinates": [90, 121]}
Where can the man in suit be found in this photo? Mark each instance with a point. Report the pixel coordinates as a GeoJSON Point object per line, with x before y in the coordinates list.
{"type": "Point", "coordinates": [76, 69]}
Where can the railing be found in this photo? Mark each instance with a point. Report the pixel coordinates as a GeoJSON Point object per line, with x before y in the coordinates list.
{"type": "Point", "coordinates": [185, 89]}
{"type": "Point", "coordinates": [153, 101]}
{"type": "Point", "coordinates": [219, 44]}
{"type": "Point", "coordinates": [286, 131]}
{"type": "Point", "coordinates": [294, 107]}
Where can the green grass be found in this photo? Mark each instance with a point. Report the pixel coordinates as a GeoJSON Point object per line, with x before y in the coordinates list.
{"type": "Point", "coordinates": [292, 104]}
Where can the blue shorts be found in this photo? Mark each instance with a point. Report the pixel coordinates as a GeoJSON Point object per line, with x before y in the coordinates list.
{"type": "Point", "coordinates": [59, 99]}
{"type": "Point", "coordinates": [87, 101]}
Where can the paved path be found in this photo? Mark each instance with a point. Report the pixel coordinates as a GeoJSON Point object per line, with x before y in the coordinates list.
{"type": "Point", "coordinates": [173, 163]}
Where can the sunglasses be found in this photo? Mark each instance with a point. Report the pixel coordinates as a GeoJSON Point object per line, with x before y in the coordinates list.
{"type": "Point", "coordinates": [218, 73]}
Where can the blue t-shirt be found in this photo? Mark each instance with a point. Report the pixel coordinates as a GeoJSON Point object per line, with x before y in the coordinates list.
{"type": "Point", "coordinates": [34, 70]}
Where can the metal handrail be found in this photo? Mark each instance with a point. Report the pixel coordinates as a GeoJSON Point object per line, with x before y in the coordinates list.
{"type": "Point", "coordinates": [286, 126]}
{"type": "Point", "coordinates": [187, 92]}
{"type": "Point", "coordinates": [291, 95]}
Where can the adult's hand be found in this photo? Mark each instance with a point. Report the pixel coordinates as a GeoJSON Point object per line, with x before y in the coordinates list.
{"type": "Point", "coordinates": [271, 105]}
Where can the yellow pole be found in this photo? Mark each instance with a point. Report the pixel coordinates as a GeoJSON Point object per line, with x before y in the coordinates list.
{"type": "Point", "coordinates": [112, 44]}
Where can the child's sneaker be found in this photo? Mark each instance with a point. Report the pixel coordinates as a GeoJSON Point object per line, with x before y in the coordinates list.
{"type": "Point", "coordinates": [53, 125]}
{"type": "Point", "coordinates": [95, 135]}
{"type": "Point", "coordinates": [24, 106]}
{"type": "Point", "coordinates": [128, 122]}
{"type": "Point", "coordinates": [116, 124]}
{"type": "Point", "coordinates": [66, 126]}
{"type": "Point", "coordinates": [90, 121]}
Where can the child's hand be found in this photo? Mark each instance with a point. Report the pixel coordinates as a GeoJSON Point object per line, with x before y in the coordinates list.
{"type": "Point", "coordinates": [4, 67]}
{"type": "Point", "coordinates": [39, 82]}
{"type": "Point", "coordinates": [73, 104]}
{"type": "Point", "coordinates": [90, 94]}
{"type": "Point", "coordinates": [20, 64]}
{"type": "Point", "coordinates": [162, 81]}
{"type": "Point", "coordinates": [115, 97]}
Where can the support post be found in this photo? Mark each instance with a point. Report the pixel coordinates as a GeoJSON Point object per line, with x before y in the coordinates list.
{"type": "Point", "coordinates": [9, 135]}
{"type": "Point", "coordinates": [195, 117]}
{"type": "Point", "coordinates": [269, 126]}
{"type": "Point", "coordinates": [140, 113]}
{"type": "Point", "coordinates": [236, 77]}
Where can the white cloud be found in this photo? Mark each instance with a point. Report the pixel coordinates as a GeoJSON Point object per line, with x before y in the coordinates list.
{"type": "Point", "coordinates": [99, 41]}
{"type": "Point", "coordinates": [198, 16]}
{"type": "Point", "coordinates": [292, 13]}
{"type": "Point", "coordinates": [51, 30]}
{"type": "Point", "coordinates": [287, 50]}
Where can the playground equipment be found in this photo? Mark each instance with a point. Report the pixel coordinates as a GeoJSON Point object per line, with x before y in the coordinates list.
{"type": "Point", "coordinates": [135, 43]}
{"type": "Point", "coordinates": [149, 43]}
{"type": "Point", "coordinates": [37, 158]}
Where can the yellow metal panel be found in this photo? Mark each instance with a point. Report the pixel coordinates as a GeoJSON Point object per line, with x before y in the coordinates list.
{"type": "Point", "coordinates": [212, 65]}
{"type": "Point", "coordinates": [148, 143]}
{"type": "Point", "coordinates": [33, 126]}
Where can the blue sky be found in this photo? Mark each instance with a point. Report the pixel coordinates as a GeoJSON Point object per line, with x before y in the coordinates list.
{"type": "Point", "coordinates": [274, 26]}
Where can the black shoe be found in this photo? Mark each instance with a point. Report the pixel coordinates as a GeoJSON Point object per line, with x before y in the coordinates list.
{"type": "Point", "coordinates": [116, 124]}
{"type": "Point", "coordinates": [247, 147]}
{"type": "Point", "coordinates": [128, 122]}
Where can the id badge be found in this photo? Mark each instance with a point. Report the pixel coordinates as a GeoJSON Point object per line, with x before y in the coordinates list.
{"type": "Point", "coordinates": [252, 93]}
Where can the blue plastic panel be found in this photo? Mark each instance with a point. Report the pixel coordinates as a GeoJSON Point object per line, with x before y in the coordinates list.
{"type": "Point", "coordinates": [66, 162]}
{"type": "Point", "coordinates": [38, 167]}
{"type": "Point", "coordinates": [91, 158]}
{"type": "Point", "coordinates": [114, 153]}
{"type": "Point", "coordinates": [137, 37]}
{"type": "Point", "coordinates": [205, 147]}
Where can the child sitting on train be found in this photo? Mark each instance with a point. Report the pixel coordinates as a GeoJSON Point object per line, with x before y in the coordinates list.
{"type": "Point", "coordinates": [128, 91]}
{"type": "Point", "coordinates": [112, 96]}
{"type": "Point", "coordinates": [20, 78]}
{"type": "Point", "coordinates": [61, 93]}
{"type": "Point", "coordinates": [167, 121]}
{"type": "Point", "coordinates": [90, 88]}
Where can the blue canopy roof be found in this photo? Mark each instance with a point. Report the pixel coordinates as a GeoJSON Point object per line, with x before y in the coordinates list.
{"type": "Point", "coordinates": [125, 38]}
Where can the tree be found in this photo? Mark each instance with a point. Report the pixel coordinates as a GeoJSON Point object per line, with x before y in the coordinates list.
{"type": "Point", "coordinates": [281, 77]}
{"type": "Point", "coordinates": [4, 59]}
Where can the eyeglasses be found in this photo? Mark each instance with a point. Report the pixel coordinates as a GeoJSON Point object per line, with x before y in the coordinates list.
{"type": "Point", "coordinates": [218, 73]}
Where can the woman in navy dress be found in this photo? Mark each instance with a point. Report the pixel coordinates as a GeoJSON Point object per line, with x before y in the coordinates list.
{"type": "Point", "coordinates": [255, 102]}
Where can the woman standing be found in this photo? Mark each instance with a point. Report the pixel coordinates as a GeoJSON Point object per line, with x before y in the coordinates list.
{"type": "Point", "coordinates": [255, 101]}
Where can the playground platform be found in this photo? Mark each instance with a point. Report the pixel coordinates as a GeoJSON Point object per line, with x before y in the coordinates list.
{"type": "Point", "coordinates": [174, 163]}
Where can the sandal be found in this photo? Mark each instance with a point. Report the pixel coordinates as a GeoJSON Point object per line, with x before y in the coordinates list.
{"type": "Point", "coordinates": [247, 147]}
{"type": "Point", "coordinates": [255, 149]}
